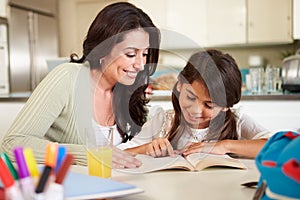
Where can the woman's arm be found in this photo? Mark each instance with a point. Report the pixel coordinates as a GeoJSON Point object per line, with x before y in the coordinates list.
{"type": "Point", "coordinates": [40, 111]}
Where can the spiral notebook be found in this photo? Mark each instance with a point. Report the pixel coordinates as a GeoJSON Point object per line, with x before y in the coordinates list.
{"type": "Point", "coordinates": [81, 186]}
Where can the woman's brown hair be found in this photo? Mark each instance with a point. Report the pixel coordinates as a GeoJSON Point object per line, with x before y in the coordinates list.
{"type": "Point", "coordinates": [108, 29]}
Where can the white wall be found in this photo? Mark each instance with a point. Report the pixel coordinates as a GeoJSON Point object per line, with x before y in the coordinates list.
{"type": "Point", "coordinates": [8, 112]}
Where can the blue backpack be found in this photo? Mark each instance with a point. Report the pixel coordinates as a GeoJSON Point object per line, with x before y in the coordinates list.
{"type": "Point", "coordinates": [279, 165]}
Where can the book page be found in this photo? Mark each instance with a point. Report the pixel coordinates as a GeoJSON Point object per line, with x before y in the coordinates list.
{"type": "Point", "coordinates": [204, 160]}
{"type": "Point", "coordinates": [150, 164]}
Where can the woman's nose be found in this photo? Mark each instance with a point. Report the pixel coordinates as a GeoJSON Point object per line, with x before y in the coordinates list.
{"type": "Point", "coordinates": [139, 63]}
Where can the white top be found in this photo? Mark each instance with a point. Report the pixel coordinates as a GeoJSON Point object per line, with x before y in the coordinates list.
{"type": "Point", "coordinates": [247, 129]}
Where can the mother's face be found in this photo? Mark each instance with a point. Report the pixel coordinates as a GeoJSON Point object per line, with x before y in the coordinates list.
{"type": "Point", "coordinates": [126, 58]}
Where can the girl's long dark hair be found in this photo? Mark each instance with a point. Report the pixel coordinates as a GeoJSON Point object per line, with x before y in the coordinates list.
{"type": "Point", "coordinates": [108, 29]}
{"type": "Point", "coordinates": [221, 76]}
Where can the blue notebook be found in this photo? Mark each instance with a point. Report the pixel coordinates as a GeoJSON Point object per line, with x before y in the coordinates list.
{"type": "Point", "coordinates": [81, 186]}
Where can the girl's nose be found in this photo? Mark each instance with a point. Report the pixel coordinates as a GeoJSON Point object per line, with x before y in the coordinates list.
{"type": "Point", "coordinates": [196, 108]}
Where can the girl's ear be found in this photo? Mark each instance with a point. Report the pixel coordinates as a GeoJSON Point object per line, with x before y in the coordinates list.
{"type": "Point", "coordinates": [178, 86]}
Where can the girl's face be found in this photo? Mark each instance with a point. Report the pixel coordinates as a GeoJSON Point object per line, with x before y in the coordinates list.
{"type": "Point", "coordinates": [196, 105]}
{"type": "Point", "coordinates": [127, 58]}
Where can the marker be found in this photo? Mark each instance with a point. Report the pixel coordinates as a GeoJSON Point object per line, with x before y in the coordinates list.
{"type": "Point", "coordinates": [31, 164]}
{"type": "Point", "coordinates": [43, 180]}
{"type": "Point", "coordinates": [10, 166]}
{"type": "Point", "coordinates": [25, 179]}
{"type": "Point", "coordinates": [56, 189]}
{"type": "Point", "coordinates": [61, 154]}
{"type": "Point", "coordinates": [51, 155]}
{"type": "Point", "coordinates": [12, 191]}
{"type": "Point", "coordinates": [64, 169]}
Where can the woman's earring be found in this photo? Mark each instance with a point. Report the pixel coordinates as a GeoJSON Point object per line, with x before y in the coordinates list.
{"type": "Point", "coordinates": [100, 61]}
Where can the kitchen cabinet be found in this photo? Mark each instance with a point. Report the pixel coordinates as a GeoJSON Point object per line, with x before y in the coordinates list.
{"type": "Point", "coordinates": [8, 113]}
{"type": "Point", "coordinates": [226, 22]}
{"type": "Point", "coordinates": [249, 22]}
{"type": "Point", "coordinates": [269, 21]}
{"type": "Point", "coordinates": [217, 22]}
{"type": "Point", "coordinates": [296, 19]}
{"type": "Point", "coordinates": [182, 24]}
{"type": "Point", "coordinates": [4, 64]}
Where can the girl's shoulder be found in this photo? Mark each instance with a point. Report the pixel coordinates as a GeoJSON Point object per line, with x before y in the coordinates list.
{"type": "Point", "coordinates": [158, 111]}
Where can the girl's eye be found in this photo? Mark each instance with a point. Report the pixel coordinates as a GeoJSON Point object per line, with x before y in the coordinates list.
{"type": "Point", "coordinates": [209, 105]}
{"type": "Point", "coordinates": [145, 54]}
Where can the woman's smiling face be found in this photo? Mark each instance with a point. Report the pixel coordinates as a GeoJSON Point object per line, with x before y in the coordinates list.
{"type": "Point", "coordinates": [196, 105]}
{"type": "Point", "coordinates": [127, 58]}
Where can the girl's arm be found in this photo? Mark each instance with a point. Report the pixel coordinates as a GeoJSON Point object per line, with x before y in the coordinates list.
{"type": "Point", "coordinates": [243, 148]}
{"type": "Point", "coordinates": [157, 148]}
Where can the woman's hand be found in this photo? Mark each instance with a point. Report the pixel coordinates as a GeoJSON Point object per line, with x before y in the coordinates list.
{"type": "Point", "coordinates": [122, 159]}
{"type": "Point", "coordinates": [159, 147]}
{"type": "Point", "coordinates": [206, 147]}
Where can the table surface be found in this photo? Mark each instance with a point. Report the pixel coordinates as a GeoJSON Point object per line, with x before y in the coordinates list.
{"type": "Point", "coordinates": [212, 184]}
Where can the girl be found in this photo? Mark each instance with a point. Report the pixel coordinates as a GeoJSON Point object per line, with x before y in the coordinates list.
{"type": "Point", "coordinates": [203, 119]}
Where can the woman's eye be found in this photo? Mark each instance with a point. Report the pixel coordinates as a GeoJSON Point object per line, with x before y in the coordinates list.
{"type": "Point", "coordinates": [191, 98]}
{"type": "Point", "coordinates": [130, 55]}
{"type": "Point", "coordinates": [145, 54]}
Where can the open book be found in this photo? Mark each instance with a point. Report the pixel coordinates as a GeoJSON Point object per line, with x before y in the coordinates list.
{"type": "Point", "coordinates": [193, 162]}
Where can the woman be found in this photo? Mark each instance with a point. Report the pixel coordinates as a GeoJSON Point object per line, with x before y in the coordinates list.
{"type": "Point", "coordinates": [104, 87]}
{"type": "Point", "coordinates": [203, 119]}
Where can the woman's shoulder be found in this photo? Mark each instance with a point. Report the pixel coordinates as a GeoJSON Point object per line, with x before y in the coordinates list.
{"type": "Point", "coordinates": [69, 68]}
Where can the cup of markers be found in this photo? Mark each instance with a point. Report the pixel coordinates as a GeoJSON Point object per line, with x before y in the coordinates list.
{"type": "Point", "coordinates": [25, 182]}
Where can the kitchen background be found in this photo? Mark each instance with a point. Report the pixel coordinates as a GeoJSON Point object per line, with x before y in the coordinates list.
{"type": "Point", "coordinates": [34, 34]}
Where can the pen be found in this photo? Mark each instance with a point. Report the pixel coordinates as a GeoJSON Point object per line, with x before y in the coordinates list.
{"type": "Point", "coordinates": [61, 153]}
{"type": "Point", "coordinates": [55, 189]}
{"type": "Point", "coordinates": [25, 179]}
{"type": "Point", "coordinates": [31, 164]}
{"type": "Point", "coordinates": [12, 191]}
{"type": "Point", "coordinates": [10, 166]}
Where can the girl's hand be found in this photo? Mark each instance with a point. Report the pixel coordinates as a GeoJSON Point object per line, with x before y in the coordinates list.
{"type": "Point", "coordinates": [206, 147]}
{"type": "Point", "coordinates": [122, 159]}
{"type": "Point", "coordinates": [159, 147]}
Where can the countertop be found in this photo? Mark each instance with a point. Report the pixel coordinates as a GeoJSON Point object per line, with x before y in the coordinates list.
{"type": "Point", "coordinates": [15, 97]}
{"type": "Point", "coordinates": [166, 96]}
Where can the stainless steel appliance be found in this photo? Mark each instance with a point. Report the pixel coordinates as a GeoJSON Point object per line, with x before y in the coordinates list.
{"type": "Point", "coordinates": [291, 73]}
{"type": "Point", "coordinates": [32, 40]}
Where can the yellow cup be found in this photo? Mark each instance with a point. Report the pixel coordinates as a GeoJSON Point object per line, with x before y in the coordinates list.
{"type": "Point", "coordinates": [99, 152]}
{"type": "Point", "coordinates": [100, 161]}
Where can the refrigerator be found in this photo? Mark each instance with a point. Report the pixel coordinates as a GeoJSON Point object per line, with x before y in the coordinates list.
{"type": "Point", "coordinates": [32, 30]}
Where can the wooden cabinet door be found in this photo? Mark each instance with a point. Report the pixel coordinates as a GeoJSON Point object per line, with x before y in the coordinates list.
{"type": "Point", "coordinates": [269, 21]}
{"type": "Point", "coordinates": [226, 22]}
